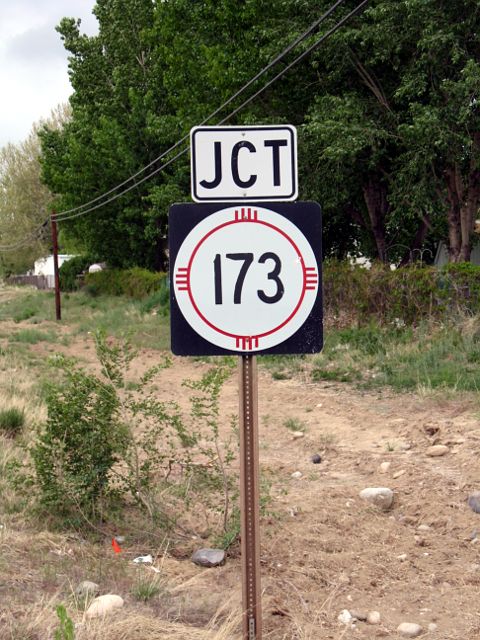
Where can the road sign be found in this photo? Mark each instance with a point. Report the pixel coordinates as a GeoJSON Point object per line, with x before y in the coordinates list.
{"type": "Point", "coordinates": [245, 279]}
{"type": "Point", "coordinates": [235, 164]}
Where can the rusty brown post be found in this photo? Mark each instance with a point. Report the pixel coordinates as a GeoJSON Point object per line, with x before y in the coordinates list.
{"type": "Point", "coordinates": [250, 499]}
{"type": "Point", "coordinates": [58, 309]}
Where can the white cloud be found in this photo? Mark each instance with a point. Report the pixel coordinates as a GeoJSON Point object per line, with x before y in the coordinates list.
{"type": "Point", "coordinates": [33, 62]}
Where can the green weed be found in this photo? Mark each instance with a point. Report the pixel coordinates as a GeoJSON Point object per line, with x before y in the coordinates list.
{"type": "Point", "coordinates": [32, 336]}
{"type": "Point", "coordinates": [294, 424]}
{"type": "Point", "coordinates": [147, 588]}
{"type": "Point", "coordinates": [66, 628]}
{"type": "Point", "coordinates": [12, 421]}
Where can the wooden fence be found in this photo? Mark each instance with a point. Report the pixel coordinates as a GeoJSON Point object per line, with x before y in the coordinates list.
{"type": "Point", "coordinates": [40, 282]}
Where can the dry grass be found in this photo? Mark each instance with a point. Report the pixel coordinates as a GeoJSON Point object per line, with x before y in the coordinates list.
{"type": "Point", "coordinates": [138, 627]}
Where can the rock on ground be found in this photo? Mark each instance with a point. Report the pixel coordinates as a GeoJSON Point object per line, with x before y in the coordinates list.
{"type": "Point", "coordinates": [208, 557]}
{"type": "Point", "coordinates": [345, 617]}
{"type": "Point", "coordinates": [409, 629]}
{"type": "Point", "coordinates": [474, 502]}
{"type": "Point", "coordinates": [103, 605]}
{"type": "Point", "coordinates": [87, 589]}
{"type": "Point", "coordinates": [437, 450]}
{"type": "Point", "coordinates": [381, 497]}
{"type": "Point", "coordinates": [373, 617]}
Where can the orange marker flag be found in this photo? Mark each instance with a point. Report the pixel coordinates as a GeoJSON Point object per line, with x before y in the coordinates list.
{"type": "Point", "coordinates": [116, 546]}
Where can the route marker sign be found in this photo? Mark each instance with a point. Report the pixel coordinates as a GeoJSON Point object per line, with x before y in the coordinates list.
{"type": "Point", "coordinates": [245, 279]}
{"type": "Point", "coordinates": [244, 164]}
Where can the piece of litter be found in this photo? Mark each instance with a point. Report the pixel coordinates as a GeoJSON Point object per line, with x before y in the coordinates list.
{"type": "Point", "coordinates": [147, 559]}
{"type": "Point", "coordinates": [115, 546]}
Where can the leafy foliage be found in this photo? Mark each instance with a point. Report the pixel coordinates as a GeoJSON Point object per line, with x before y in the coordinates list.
{"type": "Point", "coordinates": [11, 421]}
{"type": "Point", "coordinates": [405, 296]}
{"type": "Point", "coordinates": [107, 437]}
{"type": "Point", "coordinates": [80, 443]}
{"type": "Point", "coordinates": [135, 283]}
{"type": "Point", "coordinates": [71, 269]}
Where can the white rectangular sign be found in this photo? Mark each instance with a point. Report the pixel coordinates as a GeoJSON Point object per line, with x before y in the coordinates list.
{"type": "Point", "coordinates": [250, 164]}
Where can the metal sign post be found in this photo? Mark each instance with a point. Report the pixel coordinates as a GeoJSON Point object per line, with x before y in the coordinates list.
{"type": "Point", "coordinates": [245, 280]}
{"type": "Point", "coordinates": [250, 498]}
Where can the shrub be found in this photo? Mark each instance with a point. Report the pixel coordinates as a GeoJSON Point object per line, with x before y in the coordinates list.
{"type": "Point", "coordinates": [12, 421]}
{"type": "Point", "coordinates": [355, 295]}
{"type": "Point", "coordinates": [70, 270]}
{"type": "Point", "coordinates": [107, 437]}
{"type": "Point", "coordinates": [135, 283]}
{"type": "Point", "coordinates": [79, 443]}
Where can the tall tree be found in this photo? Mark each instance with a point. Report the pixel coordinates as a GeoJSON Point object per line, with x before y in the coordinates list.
{"type": "Point", "coordinates": [396, 125]}
{"type": "Point", "coordinates": [24, 200]}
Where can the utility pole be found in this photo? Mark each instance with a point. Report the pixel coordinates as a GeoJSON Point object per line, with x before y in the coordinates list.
{"type": "Point", "coordinates": [58, 309]}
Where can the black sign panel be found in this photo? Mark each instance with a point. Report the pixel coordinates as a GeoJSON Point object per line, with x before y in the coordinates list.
{"type": "Point", "coordinates": [246, 279]}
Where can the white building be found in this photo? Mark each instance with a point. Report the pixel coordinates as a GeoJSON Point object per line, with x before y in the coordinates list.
{"type": "Point", "coordinates": [44, 266]}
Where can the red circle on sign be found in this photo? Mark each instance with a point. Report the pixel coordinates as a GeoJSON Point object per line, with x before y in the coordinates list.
{"type": "Point", "coordinates": [297, 251]}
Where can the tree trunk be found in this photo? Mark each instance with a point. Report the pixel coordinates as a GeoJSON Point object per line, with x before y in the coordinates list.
{"type": "Point", "coordinates": [464, 199]}
{"type": "Point", "coordinates": [417, 242]}
{"type": "Point", "coordinates": [375, 195]}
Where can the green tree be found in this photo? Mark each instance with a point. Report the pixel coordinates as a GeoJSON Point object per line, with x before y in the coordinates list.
{"type": "Point", "coordinates": [386, 109]}
{"type": "Point", "coordinates": [24, 200]}
{"type": "Point", "coordinates": [395, 126]}
{"type": "Point", "coordinates": [153, 71]}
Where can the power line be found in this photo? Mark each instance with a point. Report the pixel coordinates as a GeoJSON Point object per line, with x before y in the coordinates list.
{"type": "Point", "coordinates": [298, 59]}
{"type": "Point", "coordinates": [271, 64]}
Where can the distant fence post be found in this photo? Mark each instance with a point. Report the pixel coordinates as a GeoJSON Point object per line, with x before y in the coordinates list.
{"type": "Point", "coordinates": [58, 309]}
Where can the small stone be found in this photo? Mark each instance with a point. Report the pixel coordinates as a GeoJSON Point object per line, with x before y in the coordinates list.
{"type": "Point", "coordinates": [405, 446]}
{"type": "Point", "coordinates": [474, 502]}
{"type": "Point", "coordinates": [345, 617]}
{"type": "Point", "coordinates": [103, 605]}
{"type": "Point", "coordinates": [296, 435]}
{"type": "Point", "coordinates": [359, 615]}
{"type": "Point", "coordinates": [381, 497]}
{"type": "Point", "coordinates": [432, 627]}
{"type": "Point", "coordinates": [399, 474]}
{"type": "Point", "coordinates": [409, 629]}
{"type": "Point", "coordinates": [316, 459]}
{"type": "Point", "coordinates": [437, 450]}
{"type": "Point", "coordinates": [296, 475]}
{"type": "Point", "coordinates": [209, 557]}
{"type": "Point", "coordinates": [87, 589]}
{"type": "Point", "coordinates": [373, 617]}
{"type": "Point", "coordinates": [402, 557]}
{"type": "Point", "coordinates": [385, 466]}
{"type": "Point", "coordinates": [423, 527]}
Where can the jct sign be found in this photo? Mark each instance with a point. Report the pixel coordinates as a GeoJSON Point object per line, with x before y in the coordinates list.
{"type": "Point", "coordinates": [243, 164]}
{"type": "Point", "coordinates": [245, 279]}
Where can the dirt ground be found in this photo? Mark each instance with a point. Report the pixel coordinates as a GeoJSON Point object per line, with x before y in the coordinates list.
{"type": "Point", "coordinates": [323, 548]}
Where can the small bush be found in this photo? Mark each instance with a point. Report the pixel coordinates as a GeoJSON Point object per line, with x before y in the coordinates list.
{"type": "Point", "coordinates": [24, 314]}
{"type": "Point", "coordinates": [135, 283]}
{"type": "Point", "coordinates": [31, 336]}
{"type": "Point", "coordinates": [108, 440]}
{"type": "Point", "coordinates": [79, 443]}
{"type": "Point", "coordinates": [12, 421]}
{"type": "Point", "coordinates": [70, 270]}
{"type": "Point", "coordinates": [355, 295]}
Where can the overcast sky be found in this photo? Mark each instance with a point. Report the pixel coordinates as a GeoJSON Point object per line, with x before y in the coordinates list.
{"type": "Point", "coordinates": [33, 62]}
